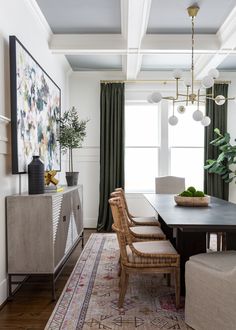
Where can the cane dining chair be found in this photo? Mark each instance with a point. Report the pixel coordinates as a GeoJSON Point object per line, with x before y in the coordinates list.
{"type": "Point", "coordinates": [142, 257]}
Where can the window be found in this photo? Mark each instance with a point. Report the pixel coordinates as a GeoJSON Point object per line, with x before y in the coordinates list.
{"type": "Point", "coordinates": [154, 148]}
{"type": "Point", "coordinates": [186, 141]}
{"type": "Point", "coordinates": [141, 147]}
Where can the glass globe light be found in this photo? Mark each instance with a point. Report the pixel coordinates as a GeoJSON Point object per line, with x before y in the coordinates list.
{"type": "Point", "coordinates": [207, 82]}
{"type": "Point", "coordinates": [156, 97]}
{"type": "Point", "coordinates": [149, 99]}
{"type": "Point", "coordinates": [220, 100]}
{"type": "Point", "coordinates": [187, 82]}
{"type": "Point", "coordinates": [197, 115]}
{"type": "Point", "coordinates": [181, 109]}
{"type": "Point", "coordinates": [177, 74]}
{"type": "Point", "coordinates": [206, 121]}
{"type": "Point", "coordinates": [213, 73]}
{"type": "Point", "coordinates": [173, 120]}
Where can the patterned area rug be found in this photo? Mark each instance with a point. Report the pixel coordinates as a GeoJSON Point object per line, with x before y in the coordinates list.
{"type": "Point", "coordinates": [89, 300]}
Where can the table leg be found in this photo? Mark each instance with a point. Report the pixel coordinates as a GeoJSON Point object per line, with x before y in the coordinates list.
{"type": "Point", "coordinates": [188, 244]}
{"type": "Point", "coordinates": [230, 240]}
{"type": "Point", "coordinates": [167, 231]}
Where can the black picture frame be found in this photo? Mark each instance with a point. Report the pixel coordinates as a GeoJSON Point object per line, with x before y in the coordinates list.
{"type": "Point", "coordinates": [35, 108]}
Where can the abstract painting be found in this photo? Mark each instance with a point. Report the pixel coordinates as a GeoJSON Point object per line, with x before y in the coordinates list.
{"type": "Point", "coordinates": [35, 108]}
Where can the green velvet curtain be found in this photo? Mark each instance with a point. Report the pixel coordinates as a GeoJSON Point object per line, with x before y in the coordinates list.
{"type": "Point", "coordinates": [111, 148]}
{"type": "Point", "coordinates": [213, 184]}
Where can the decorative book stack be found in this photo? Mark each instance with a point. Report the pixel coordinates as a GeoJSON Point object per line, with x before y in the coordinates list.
{"type": "Point", "coordinates": [52, 188]}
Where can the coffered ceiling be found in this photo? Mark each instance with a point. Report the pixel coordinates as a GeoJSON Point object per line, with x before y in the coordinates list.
{"type": "Point", "coordinates": [135, 35]}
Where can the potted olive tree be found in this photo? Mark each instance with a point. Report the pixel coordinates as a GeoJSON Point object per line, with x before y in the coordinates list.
{"type": "Point", "coordinates": [71, 135]}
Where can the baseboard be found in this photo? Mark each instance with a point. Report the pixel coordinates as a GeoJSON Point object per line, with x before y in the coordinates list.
{"type": "Point", "coordinates": [3, 292]}
{"type": "Point", "coordinates": [90, 223]}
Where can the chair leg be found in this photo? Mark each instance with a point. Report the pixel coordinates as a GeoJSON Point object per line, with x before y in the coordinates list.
{"type": "Point", "coordinates": [224, 242]}
{"type": "Point", "coordinates": [124, 278]}
{"type": "Point", "coordinates": [219, 237]}
{"type": "Point", "coordinates": [208, 239]}
{"type": "Point", "coordinates": [119, 265]}
{"type": "Point", "coordinates": [168, 276]}
{"type": "Point", "coordinates": [177, 286]}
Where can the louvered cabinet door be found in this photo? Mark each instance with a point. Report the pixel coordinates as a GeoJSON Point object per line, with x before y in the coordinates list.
{"type": "Point", "coordinates": [76, 215]}
{"type": "Point", "coordinates": [63, 236]}
{"type": "Point", "coordinates": [42, 230]}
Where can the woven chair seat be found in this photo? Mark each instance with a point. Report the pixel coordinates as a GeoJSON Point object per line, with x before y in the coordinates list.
{"type": "Point", "coordinates": [147, 221]}
{"type": "Point", "coordinates": [153, 248]}
{"type": "Point", "coordinates": [147, 232]}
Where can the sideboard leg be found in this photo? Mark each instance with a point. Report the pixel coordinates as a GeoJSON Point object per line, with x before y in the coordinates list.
{"type": "Point", "coordinates": [53, 288]}
{"type": "Point", "coordinates": [82, 235]}
{"type": "Point", "coordinates": [10, 293]}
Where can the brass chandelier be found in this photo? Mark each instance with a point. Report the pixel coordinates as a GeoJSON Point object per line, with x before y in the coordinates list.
{"type": "Point", "coordinates": [191, 96]}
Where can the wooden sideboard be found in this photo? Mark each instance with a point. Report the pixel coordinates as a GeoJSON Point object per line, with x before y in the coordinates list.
{"type": "Point", "coordinates": [42, 232]}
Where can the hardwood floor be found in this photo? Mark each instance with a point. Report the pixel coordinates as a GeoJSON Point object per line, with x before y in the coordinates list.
{"type": "Point", "coordinates": [32, 305]}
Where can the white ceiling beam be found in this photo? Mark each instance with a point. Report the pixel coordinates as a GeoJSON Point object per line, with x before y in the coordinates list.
{"type": "Point", "coordinates": [72, 44]}
{"type": "Point", "coordinates": [135, 15]}
{"type": "Point", "coordinates": [179, 42]}
{"type": "Point", "coordinates": [75, 44]}
{"type": "Point", "coordinates": [227, 39]}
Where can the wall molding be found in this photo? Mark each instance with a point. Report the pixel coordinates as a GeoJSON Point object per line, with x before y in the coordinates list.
{"type": "Point", "coordinates": [3, 291]}
{"type": "Point", "coordinates": [40, 17]}
{"type": "Point", "coordinates": [4, 120]}
{"type": "Point", "coordinates": [90, 223]}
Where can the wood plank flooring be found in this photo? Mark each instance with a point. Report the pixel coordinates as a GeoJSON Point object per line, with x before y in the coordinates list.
{"type": "Point", "coordinates": [32, 305]}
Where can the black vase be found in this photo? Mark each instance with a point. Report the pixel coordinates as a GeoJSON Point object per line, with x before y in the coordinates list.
{"type": "Point", "coordinates": [36, 176]}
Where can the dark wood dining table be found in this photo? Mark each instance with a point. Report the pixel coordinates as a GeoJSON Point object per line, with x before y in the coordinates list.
{"type": "Point", "coordinates": [186, 227]}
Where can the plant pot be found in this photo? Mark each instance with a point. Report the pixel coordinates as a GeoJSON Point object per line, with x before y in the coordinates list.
{"type": "Point", "coordinates": [192, 201]}
{"type": "Point", "coordinates": [72, 178]}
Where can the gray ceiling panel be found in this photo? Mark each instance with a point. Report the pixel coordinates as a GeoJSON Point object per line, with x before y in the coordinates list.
{"type": "Point", "coordinates": [229, 64]}
{"type": "Point", "coordinates": [170, 16]}
{"type": "Point", "coordinates": [166, 62]}
{"type": "Point", "coordinates": [95, 62]}
{"type": "Point", "coordinates": [82, 16]}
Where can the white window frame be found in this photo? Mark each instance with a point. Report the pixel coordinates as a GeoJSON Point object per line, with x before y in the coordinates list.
{"type": "Point", "coordinates": [164, 150]}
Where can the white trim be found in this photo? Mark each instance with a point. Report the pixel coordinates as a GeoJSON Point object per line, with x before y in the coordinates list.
{"type": "Point", "coordinates": [3, 291]}
{"type": "Point", "coordinates": [40, 17]}
{"type": "Point", "coordinates": [90, 223]}
{"type": "Point", "coordinates": [4, 119]}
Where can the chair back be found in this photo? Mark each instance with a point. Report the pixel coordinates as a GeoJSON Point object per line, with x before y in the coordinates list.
{"type": "Point", "coordinates": [169, 185]}
{"type": "Point", "coordinates": [121, 195]}
{"type": "Point", "coordinates": [118, 226]}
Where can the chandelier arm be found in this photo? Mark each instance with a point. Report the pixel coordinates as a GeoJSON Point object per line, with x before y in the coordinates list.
{"type": "Point", "coordinates": [168, 98]}
{"type": "Point", "coordinates": [181, 101]}
{"type": "Point", "coordinates": [185, 95]}
{"type": "Point", "coordinates": [205, 95]}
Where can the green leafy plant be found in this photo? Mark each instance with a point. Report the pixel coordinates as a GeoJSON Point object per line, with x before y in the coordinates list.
{"type": "Point", "coordinates": [227, 157]}
{"type": "Point", "coordinates": [72, 133]}
{"type": "Point", "coordinates": [192, 192]}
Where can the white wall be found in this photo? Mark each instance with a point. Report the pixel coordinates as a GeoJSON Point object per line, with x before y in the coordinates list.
{"type": "Point", "coordinates": [85, 95]}
{"type": "Point", "coordinates": [20, 18]}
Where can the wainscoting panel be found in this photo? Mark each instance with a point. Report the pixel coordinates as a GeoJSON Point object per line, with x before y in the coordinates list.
{"type": "Point", "coordinates": [86, 161]}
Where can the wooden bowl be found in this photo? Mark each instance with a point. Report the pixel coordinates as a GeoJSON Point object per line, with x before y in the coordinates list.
{"type": "Point", "coordinates": [192, 201]}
